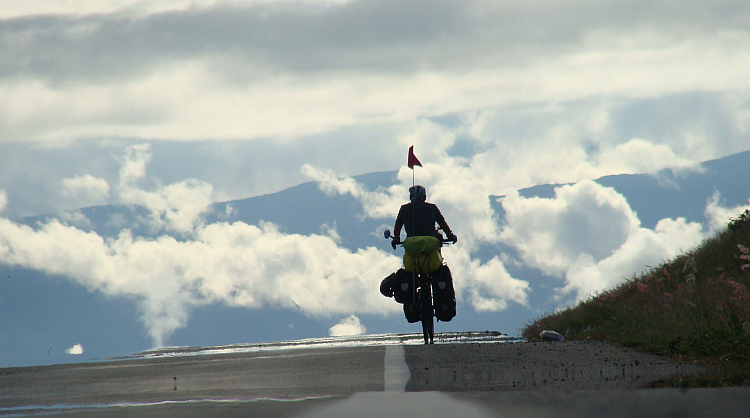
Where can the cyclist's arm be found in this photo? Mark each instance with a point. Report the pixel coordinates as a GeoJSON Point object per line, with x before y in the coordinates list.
{"type": "Point", "coordinates": [443, 224]}
{"type": "Point", "coordinates": [397, 229]}
{"type": "Point", "coordinates": [399, 224]}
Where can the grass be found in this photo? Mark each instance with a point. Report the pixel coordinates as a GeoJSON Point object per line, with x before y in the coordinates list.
{"type": "Point", "coordinates": [694, 308]}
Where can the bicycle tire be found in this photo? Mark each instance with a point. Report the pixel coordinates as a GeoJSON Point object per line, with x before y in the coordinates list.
{"type": "Point", "coordinates": [427, 310]}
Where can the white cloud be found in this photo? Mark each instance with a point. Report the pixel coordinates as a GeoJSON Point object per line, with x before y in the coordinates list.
{"type": "Point", "coordinates": [486, 286]}
{"type": "Point", "coordinates": [3, 200]}
{"type": "Point", "coordinates": [134, 164]}
{"type": "Point", "coordinates": [719, 216]}
{"type": "Point", "coordinates": [84, 7]}
{"type": "Point", "coordinates": [348, 326]}
{"type": "Point", "coordinates": [644, 248]}
{"type": "Point", "coordinates": [582, 218]}
{"type": "Point", "coordinates": [458, 190]}
{"type": "Point", "coordinates": [640, 156]}
{"type": "Point", "coordinates": [75, 350]}
{"type": "Point", "coordinates": [177, 207]}
{"type": "Point", "coordinates": [588, 235]}
{"type": "Point", "coordinates": [86, 190]}
{"type": "Point", "coordinates": [236, 264]}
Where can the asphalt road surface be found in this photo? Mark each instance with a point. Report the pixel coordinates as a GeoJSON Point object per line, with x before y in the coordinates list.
{"type": "Point", "coordinates": [570, 379]}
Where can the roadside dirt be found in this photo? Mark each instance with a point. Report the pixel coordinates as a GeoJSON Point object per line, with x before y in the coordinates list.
{"type": "Point", "coordinates": [535, 366]}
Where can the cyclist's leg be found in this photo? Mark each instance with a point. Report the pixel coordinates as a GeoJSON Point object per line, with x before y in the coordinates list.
{"type": "Point", "coordinates": [422, 313]}
{"type": "Point", "coordinates": [421, 302]}
{"type": "Point", "coordinates": [432, 313]}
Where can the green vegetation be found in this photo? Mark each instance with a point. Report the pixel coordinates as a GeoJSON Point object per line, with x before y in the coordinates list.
{"type": "Point", "coordinates": [694, 308]}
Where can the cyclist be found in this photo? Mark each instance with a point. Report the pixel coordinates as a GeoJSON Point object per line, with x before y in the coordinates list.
{"type": "Point", "coordinates": [419, 218]}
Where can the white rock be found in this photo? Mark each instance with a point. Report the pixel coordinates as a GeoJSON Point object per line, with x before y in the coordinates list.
{"type": "Point", "coordinates": [548, 335]}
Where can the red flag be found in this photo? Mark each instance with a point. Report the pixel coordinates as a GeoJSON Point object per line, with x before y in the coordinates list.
{"type": "Point", "coordinates": [413, 160]}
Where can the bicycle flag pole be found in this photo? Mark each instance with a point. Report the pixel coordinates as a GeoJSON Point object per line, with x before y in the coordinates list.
{"type": "Point", "coordinates": [411, 162]}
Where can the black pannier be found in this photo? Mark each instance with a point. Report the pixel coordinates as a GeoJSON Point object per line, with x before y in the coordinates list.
{"type": "Point", "coordinates": [386, 286]}
{"type": "Point", "coordinates": [411, 312]}
{"type": "Point", "coordinates": [399, 285]}
{"type": "Point", "coordinates": [444, 295]}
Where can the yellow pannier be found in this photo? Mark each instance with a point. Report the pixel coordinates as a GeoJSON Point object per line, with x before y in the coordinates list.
{"type": "Point", "coordinates": [422, 255]}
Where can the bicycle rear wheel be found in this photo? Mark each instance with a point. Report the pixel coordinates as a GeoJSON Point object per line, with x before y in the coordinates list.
{"type": "Point", "coordinates": [428, 311]}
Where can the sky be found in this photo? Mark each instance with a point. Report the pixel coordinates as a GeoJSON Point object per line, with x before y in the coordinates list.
{"type": "Point", "coordinates": [176, 104]}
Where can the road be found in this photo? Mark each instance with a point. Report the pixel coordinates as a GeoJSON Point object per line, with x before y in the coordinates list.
{"type": "Point", "coordinates": [579, 379]}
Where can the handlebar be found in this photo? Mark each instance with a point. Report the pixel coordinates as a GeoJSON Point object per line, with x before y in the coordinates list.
{"type": "Point", "coordinates": [394, 243]}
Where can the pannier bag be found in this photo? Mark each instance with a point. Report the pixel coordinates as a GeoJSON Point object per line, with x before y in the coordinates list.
{"type": "Point", "coordinates": [422, 255]}
{"type": "Point", "coordinates": [411, 313]}
{"type": "Point", "coordinates": [399, 286]}
{"type": "Point", "coordinates": [443, 294]}
{"type": "Point", "coordinates": [386, 286]}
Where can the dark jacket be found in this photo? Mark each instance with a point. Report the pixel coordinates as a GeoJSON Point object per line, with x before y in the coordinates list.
{"type": "Point", "coordinates": [419, 219]}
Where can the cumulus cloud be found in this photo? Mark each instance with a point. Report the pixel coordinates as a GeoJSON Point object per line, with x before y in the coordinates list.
{"type": "Point", "coordinates": [643, 249]}
{"type": "Point", "coordinates": [176, 207]}
{"type": "Point", "coordinates": [588, 235]}
{"type": "Point", "coordinates": [134, 164]}
{"type": "Point", "coordinates": [582, 218]}
{"type": "Point", "coordinates": [640, 156]}
{"type": "Point", "coordinates": [488, 287]}
{"type": "Point", "coordinates": [86, 190]}
{"type": "Point", "coordinates": [75, 350]}
{"type": "Point", "coordinates": [719, 216]}
{"type": "Point", "coordinates": [348, 326]}
{"type": "Point", "coordinates": [236, 264]}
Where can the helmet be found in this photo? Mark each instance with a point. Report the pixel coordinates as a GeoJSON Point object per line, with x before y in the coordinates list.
{"type": "Point", "coordinates": [417, 193]}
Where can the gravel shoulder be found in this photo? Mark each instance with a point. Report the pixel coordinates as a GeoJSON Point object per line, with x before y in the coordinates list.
{"type": "Point", "coordinates": [574, 365]}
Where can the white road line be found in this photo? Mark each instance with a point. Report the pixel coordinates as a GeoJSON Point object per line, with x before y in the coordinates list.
{"type": "Point", "coordinates": [396, 373]}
